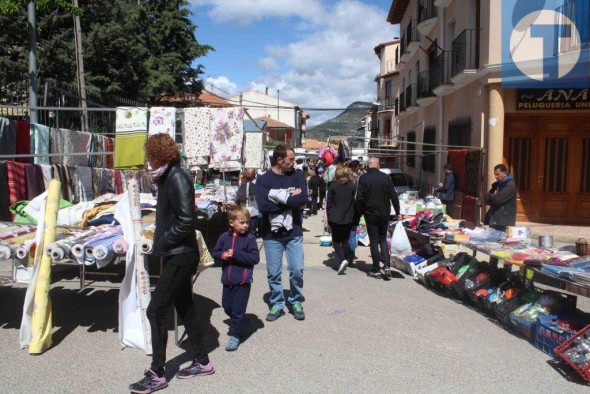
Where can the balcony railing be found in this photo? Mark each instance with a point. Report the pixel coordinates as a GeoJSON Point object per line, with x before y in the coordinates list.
{"type": "Point", "coordinates": [410, 34]}
{"type": "Point", "coordinates": [465, 52]}
{"type": "Point", "coordinates": [426, 10]}
{"type": "Point", "coordinates": [396, 106]}
{"type": "Point", "coordinates": [402, 44]}
{"type": "Point", "coordinates": [411, 96]}
{"type": "Point", "coordinates": [402, 102]}
{"type": "Point", "coordinates": [424, 85]}
{"type": "Point", "coordinates": [388, 104]}
{"type": "Point", "coordinates": [577, 11]}
{"type": "Point", "coordinates": [441, 74]}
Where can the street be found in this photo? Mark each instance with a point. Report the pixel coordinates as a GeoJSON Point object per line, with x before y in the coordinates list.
{"type": "Point", "coordinates": [360, 335]}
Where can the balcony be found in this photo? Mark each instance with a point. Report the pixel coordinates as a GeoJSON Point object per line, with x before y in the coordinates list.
{"type": "Point", "coordinates": [387, 104]}
{"type": "Point", "coordinates": [442, 3]}
{"type": "Point", "coordinates": [386, 139]}
{"type": "Point", "coordinates": [410, 41]}
{"type": "Point", "coordinates": [441, 75]}
{"type": "Point", "coordinates": [427, 16]}
{"type": "Point", "coordinates": [577, 11]}
{"type": "Point", "coordinates": [425, 96]}
{"type": "Point", "coordinates": [465, 58]}
{"type": "Point", "coordinates": [410, 96]}
{"type": "Point", "coordinates": [402, 103]}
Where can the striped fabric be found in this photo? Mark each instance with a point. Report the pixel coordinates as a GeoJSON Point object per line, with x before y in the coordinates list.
{"type": "Point", "coordinates": [16, 181]}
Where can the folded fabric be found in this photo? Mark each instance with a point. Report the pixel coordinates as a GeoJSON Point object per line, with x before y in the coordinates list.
{"type": "Point", "coordinates": [7, 136]}
{"type": "Point", "coordinates": [279, 196]}
{"type": "Point", "coordinates": [40, 139]}
{"type": "Point", "coordinates": [281, 220]}
{"type": "Point", "coordinates": [23, 141]}
{"type": "Point", "coordinates": [71, 216]}
{"type": "Point", "coordinates": [162, 120]}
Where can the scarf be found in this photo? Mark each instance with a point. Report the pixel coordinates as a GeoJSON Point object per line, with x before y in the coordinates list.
{"type": "Point", "coordinates": [156, 174]}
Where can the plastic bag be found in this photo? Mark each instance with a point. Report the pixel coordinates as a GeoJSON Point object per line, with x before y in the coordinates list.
{"type": "Point", "coordinates": [400, 243]}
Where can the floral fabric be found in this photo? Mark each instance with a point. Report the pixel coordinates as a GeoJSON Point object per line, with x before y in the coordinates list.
{"type": "Point", "coordinates": [196, 136]}
{"type": "Point", "coordinates": [253, 154]}
{"type": "Point", "coordinates": [162, 120]}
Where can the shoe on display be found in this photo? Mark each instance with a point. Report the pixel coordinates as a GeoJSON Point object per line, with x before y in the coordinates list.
{"type": "Point", "coordinates": [151, 382]}
{"type": "Point", "coordinates": [195, 369]}
{"type": "Point", "coordinates": [274, 313]}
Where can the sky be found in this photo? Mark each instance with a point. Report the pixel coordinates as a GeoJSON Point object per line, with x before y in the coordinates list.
{"type": "Point", "coordinates": [316, 53]}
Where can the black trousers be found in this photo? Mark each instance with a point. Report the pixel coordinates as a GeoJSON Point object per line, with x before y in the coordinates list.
{"type": "Point", "coordinates": [175, 287]}
{"type": "Point", "coordinates": [377, 230]}
{"type": "Point", "coordinates": [313, 205]}
{"type": "Point", "coordinates": [322, 195]}
{"type": "Point", "coordinates": [253, 228]}
{"type": "Point", "coordinates": [234, 301]}
{"type": "Point", "coordinates": [340, 236]}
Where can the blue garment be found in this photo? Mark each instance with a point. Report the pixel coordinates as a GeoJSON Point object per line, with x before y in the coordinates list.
{"type": "Point", "coordinates": [270, 180]}
{"type": "Point", "coordinates": [352, 240]}
{"type": "Point", "coordinates": [273, 248]}
{"type": "Point", "coordinates": [235, 301]}
{"type": "Point", "coordinates": [237, 270]}
{"type": "Point", "coordinates": [447, 190]}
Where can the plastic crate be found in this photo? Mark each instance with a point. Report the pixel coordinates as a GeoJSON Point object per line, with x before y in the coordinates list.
{"type": "Point", "coordinates": [548, 336]}
{"type": "Point", "coordinates": [483, 284]}
{"type": "Point", "coordinates": [505, 308]}
{"type": "Point", "coordinates": [582, 370]}
{"type": "Point", "coordinates": [523, 326]}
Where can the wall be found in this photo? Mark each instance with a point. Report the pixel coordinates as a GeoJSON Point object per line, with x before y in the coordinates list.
{"type": "Point", "coordinates": [253, 100]}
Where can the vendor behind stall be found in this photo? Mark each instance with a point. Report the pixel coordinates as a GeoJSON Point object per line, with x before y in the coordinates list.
{"type": "Point", "coordinates": [502, 200]}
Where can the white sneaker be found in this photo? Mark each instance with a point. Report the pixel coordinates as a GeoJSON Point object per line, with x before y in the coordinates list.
{"type": "Point", "coordinates": [342, 268]}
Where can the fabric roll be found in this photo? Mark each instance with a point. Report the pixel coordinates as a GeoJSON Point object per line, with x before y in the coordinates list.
{"type": "Point", "coordinates": [4, 194]}
{"type": "Point", "coordinates": [23, 141]}
{"type": "Point", "coordinates": [56, 146]}
{"type": "Point", "coordinates": [131, 133]}
{"type": "Point", "coordinates": [120, 246]}
{"type": "Point", "coordinates": [253, 153]}
{"type": "Point", "coordinates": [34, 180]}
{"type": "Point", "coordinates": [7, 136]}
{"type": "Point", "coordinates": [40, 140]}
{"type": "Point", "coordinates": [16, 181]}
{"type": "Point", "coordinates": [162, 120]}
{"type": "Point", "coordinates": [197, 136]}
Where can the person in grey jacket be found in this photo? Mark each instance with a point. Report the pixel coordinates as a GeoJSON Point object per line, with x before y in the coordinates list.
{"type": "Point", "coordinates": [446, 189]}
{"type": "Point", "coordinates": [502, 200]}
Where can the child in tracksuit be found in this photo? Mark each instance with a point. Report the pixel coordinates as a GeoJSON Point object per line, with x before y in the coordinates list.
{"type": "Point", "coordinates": [237, 250]}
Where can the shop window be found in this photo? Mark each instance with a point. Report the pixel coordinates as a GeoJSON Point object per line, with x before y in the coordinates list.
{"type": "Point", "coordinates": [460, 132]}
{"type": "Point", "coordinates": [428, 149]}
{"type": "Point", "coordinates": [411, 149]}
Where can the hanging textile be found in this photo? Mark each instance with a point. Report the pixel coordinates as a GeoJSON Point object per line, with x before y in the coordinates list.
{"type": "Point", "coordinates": [253, 154]}
{"type": "Point", "coordinates": [71, 142]}
{"type": "Point", "coordinates": [163, 120]}
{"type": "Point", "coordinates": [227, 128]}
{"type": "Point", "coordinates": [34, 180]}
{"type": "Point", "coordinates": [7, 136]}
{"type": "Point", "coordinates": [4, 194]}
{"type": "Point", "coordinates": [61, 173]}
{"type": "Point", "coordinates": [84, 183]}
{"type": "Point", "coordinates": [23, 141]}
{"type": "Point", "coordinates": [47, 171]}
{"type": "Point", "coordinates": [82, 142]}
{"type": "Point", "coordinates": [40, 139]}
{"type": "Point", "coordinates": [131, 133]}
{"type": "Point", "coordinates": [16, 181]}
{"type": "Point", "coordinates": [56, 146]}
{"type": "Point", "coordinates": [472, 172]}
{"type": "Point", "coordinates": [458, 159]}
{"type": "Point", "coordinates": [110, 148]}
{"type": "Point", "coordinates": [197, 125]}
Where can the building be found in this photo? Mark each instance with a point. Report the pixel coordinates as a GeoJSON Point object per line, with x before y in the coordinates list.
{"type": "Point", "coordinates": [277, 131]}
{"type": "Point", "coordinates": [261, 105]}
{"type": "Point", "coordinates": [454, 90]}
{"type": "Point", "coordinates": [388, 85]}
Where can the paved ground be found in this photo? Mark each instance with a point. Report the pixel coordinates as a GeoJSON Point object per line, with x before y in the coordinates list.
{"type": "Point", "coordinates": [360, 335]}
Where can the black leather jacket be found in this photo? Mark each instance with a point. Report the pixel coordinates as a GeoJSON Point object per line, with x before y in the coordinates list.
{"type": "Point", "coordinates": [175, 214]}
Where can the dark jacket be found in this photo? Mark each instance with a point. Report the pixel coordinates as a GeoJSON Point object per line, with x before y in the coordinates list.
{"type": "Point", "coordinates": [268, 181]}
{"type": "Point", "coordinates": [315, 185]}
{"type": "Point", "coordinates": [340, 204]}
{"type": "Point", "coordinates": [175, 214]}
{"type": "Point", "coordinates": [237, 270]}
{"type": "Point", "coordinates": [374, 194]}
{"type": "Point", "coordinates": [447, 190]}
{"type": "Point", "coordinates": [502, 201]}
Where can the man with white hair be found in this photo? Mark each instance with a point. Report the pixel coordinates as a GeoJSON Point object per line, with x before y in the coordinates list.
{"type": "Point", "coordinates": [374, 193]}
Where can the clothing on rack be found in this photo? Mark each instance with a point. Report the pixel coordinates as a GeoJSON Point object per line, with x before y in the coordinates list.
{"type": "Point", "coordinates": [7, 136]}
{"type": "Point", "coordinates": [162, 120]}
{"type": "Point", "coordinates": [23, 141]}
{"type": "Point", "coordinates": [131, 133]}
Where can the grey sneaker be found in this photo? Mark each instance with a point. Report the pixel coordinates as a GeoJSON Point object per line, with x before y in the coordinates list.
{"type": "Point", "coordinates": [150, 383]}
{"type": "Point", "coordinates": [375, 274]}
{"type": "Point", "coordinates": [274, 313]}
{"type": "Point", "coordinates": [195, 369]}
{"type": "Point", "coordinates": [232, 344]}
{"type": "Point", "coordinates": [298, 313]}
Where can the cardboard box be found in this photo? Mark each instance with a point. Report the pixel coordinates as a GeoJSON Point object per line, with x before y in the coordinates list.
{"type": "Point", "coordinates": [515, 232]}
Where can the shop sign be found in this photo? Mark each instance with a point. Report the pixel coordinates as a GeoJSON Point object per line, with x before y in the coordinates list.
{"type": "Point", "coordinates": [553, 99]}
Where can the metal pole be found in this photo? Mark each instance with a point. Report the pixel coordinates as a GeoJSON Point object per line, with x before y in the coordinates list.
{"type": "Point", "coordinates": [34, 115]}
{"type": "Point", "coordinates": [80, 68]}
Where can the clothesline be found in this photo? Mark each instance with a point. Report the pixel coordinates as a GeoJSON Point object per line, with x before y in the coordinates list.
{"type": "Point", "coordinates": [25, 155]}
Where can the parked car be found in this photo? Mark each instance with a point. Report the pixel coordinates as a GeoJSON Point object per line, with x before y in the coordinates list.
{"type": "Point", "coordinates": [401, 181]}
{"type": "Point", "coordinates": [300, 162]}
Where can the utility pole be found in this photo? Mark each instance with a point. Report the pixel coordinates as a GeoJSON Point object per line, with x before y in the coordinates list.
{"type": "Point", "coordinates": [80, 67]}
{"type": "Point", "coordinates": [33, 83]}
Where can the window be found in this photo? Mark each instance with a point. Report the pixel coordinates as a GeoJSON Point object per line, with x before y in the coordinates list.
{"type": "Point", "coordinates": [411, 149]}
{"type": "Point", "coordinates": [388, 89]}
{"type": "Point", "coordinates": [428, 150]}
{"type": "Point", "coordinates": [460, 132]}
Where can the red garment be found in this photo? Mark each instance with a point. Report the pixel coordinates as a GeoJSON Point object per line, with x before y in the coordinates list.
{"type": "Point", "coordinates": [16, 181]}
{"type": "Point", "coordinates": [328, 158]}
{"type": "Point", "coordinates": [118, 182]}
{"type": "Point", "coordinates": [23, 141]}
{"type": "Point", "coordinates": [458, 159]}
{"type": "Point", "coordinates": [469, 210]}
{"type": "Point", "coordinates": [110, 148]}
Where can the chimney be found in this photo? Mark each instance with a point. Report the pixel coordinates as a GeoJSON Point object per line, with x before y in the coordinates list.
{"type": "Point", "coordinates": [266, 91]}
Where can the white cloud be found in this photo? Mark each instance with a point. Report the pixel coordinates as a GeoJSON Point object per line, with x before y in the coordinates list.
{"type": "Point", "coordinates": [268, 63]}
{"type": "Point", "coordinates": [222, 86]}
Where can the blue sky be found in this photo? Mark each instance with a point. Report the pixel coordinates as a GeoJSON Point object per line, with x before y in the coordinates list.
{"type": "Point", "coordinates": [319, 53]}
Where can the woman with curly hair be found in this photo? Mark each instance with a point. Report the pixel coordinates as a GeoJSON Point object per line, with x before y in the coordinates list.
{"type": "Point", "coordinates": [341, 213]}
{"type": "Point", "coordinates": [175, 242]}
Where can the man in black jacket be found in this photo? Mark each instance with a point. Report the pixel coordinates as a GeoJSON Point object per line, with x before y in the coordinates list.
{"type": "Point", "coordinates": [502, 200]}
{"type": "Point", "coordinates": [175, 242]}
{"type": "Point", "coordinates": [374, 194]}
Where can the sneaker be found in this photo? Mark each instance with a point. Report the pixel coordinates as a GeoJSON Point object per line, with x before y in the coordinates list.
{"type": "Point", "coordinates": [232, 344]}
{"type": "Point", "coordinates": [343, 266]}
{"type": "Point", "coordinates": [274, 313]}
{"type": "Point", "coordinates": [150, 383]}
{"type": "Point", "coordinates": [298, 313]}
{"type": "Point", "coordinates": [387, 273]}
{"type": "Point", "coordinates": [375, 274]}
{"type": "Point", "coordinates": [195, 369]}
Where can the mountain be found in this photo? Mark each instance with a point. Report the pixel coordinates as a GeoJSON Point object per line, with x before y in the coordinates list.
{"type": "Point", "coordinates": [344, 124]}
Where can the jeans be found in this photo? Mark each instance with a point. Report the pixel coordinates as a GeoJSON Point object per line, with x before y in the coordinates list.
{"type": "Point", "coordinates": [273, 250]}
{"type": "Point", "coordinates": [352, 240]}
{"type": "Point", "coordinates": [340, 241]}
{"type": "Point", "coordinates": [377, 230]}
{"type": "Point", "coordinates": [175, 286]}
{"type": "Point", "coordinates": [234, 301]}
